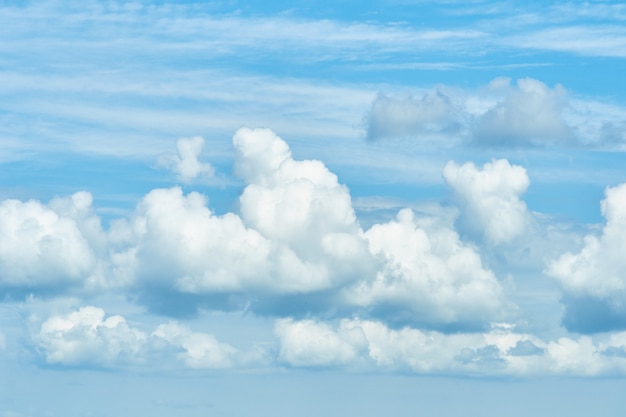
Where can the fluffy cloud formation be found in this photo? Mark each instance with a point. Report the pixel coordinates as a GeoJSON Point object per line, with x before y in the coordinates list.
{"type": "Point", "coordinates": [490, 198]}
{"type": "Point", "coordinates": [530, 113]}
{"type": "Point", "coordinates": [86, 337]}
{"type": "Point", "coordinates": [501, 351]}
{"type": "Point", "coordinates": [200, 350]}
{"type": "Point", "coordinates": [295, 248]}
{"type": "Point", "coordinates": [297, 231]}
{"type": "Point", "coordinates": [427, 276]}
{"type": "Point", "coordinates": [299, 204]}
{"type": "Point", "coordinates": [594, 278]}
{"type": "Point", "coordinates": [47, 246]}
{"type": "Point", "coordinates": [311, 343]}
{"type": "Point", "coordinates": [186, 164]}
{"type": "Point", "coordinates": [526, 113]}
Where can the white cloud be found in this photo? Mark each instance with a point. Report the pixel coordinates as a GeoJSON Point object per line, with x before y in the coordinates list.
{"type": "Point", "coordinates": [86, 337]}
{"type": "Point", "coordinates": [490, 198]}
{"type": "Point", "coordinates": [427, 276]}
{"type": "Point", "coordinates": [201, 350]}
{"type": "Point", "coordinates": [311, 343]}
{"type": "Point", "coordinates": [501, 351]}
{"type": "Point", "coordinates": [598, 269]}
{"type": "Point", "coordinates": [181, 242]}
{"type": "Point", "coordinates": [45, 246]}
{"type": "Point", "coordinates": [186, 164]}
{"type": "Point", "coordinates": [299, 204]}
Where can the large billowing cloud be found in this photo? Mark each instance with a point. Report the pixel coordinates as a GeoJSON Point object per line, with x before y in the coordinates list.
{"type": "Point", "coordinates": [297, 232]}
{"type": "Point", "coordinates": [490, 198]}
{"type": "Point", "coordinates": [427, 276]}
{"type": "Point", "coordinates": [594, 278]}
{"type": "Point", "coordinates": [47, 246]}
{"type": "Point", "coordinates": [295, 248]}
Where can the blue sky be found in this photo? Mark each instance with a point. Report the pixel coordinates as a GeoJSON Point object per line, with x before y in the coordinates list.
{"type": "Point", "coordinates": [322, 208]}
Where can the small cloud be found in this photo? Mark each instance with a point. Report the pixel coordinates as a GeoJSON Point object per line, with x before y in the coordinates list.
{"type": "Point", "coordinates": [186, 164]}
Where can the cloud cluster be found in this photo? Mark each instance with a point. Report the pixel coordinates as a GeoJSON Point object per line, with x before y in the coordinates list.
{"type": "Point", "coordinates": [295, 247]}
{"type": "Point", "coordinates": [87, 337]}
{"type": "Point", "coordinates": [525, 114]}
{"type": "Point", "coordinates": [594, 278]}
{"type": "Point", "coordinates": [501, 351]}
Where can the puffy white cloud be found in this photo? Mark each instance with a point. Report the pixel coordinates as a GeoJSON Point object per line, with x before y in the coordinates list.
{"type": "Point", "coordinates": [598, 269]}
{"type": "Point", "coordinates": [490, 198]}
{"type": "Point", "coordinates": [311, 343]}
{"type": "Point", "coordinates": [594, 278]}
{"type": "Point", "coordinates": [428, 276]}
{"type": "Point", "coordinates": [186, 164]}
{"type": "Point", "coordinates": [45, 246]}
{"type": "Point", "coordinates": [297, 232]}
{"type": "Point", "coordinates": [86, 337]}
{"type": "Point", "coordinates": [180, 241]}
{"type": "Point", "coordinates": [201, 350]}
{"type": "Point", "coordinates": [500, 351]}
{"type": "Point", "coordinates": [299, 203]}
{"type": "Point", "coordinates": [531, 112]}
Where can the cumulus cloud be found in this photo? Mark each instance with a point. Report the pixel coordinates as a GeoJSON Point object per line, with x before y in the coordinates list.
{"type": "Point", "coordinates": [299, 204]}
{"type": "Point", "coordinates": [427, 276]}
{"type": "Point", "coordinates": [594, 278]}
{"type": "Point", "coordinates": [200, 350]}
{"type": "Point", "coordinates": [86, 337]}
{"type": "Point", "coordinates": [186, 164]}
{"type": "Point", "coordinates": [46, 246]}
{"type": "Point", "coordinates": [311, 343]}
{"type": "Point", "coordinates": [295, 248]}
{"type": "Point", "coordinates": [490, 198]}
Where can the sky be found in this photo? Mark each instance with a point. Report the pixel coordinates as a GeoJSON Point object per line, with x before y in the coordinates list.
{"type": "Point", "coordinates": [227, 208]}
